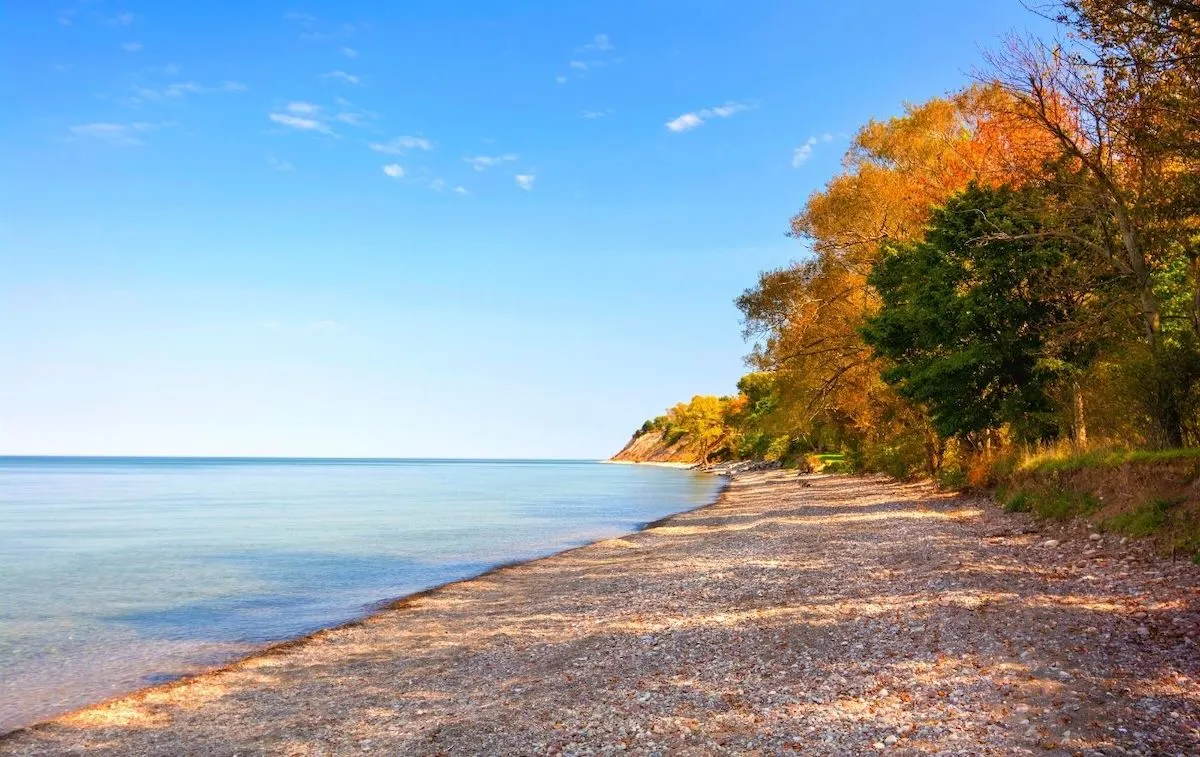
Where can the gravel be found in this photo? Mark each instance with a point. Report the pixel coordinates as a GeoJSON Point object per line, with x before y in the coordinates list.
{"type": "Point", "coordinates": [825, 615]}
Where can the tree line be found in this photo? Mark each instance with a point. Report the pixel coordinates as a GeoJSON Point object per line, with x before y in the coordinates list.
{"type": "Point", "coordinates": [1017, 263]}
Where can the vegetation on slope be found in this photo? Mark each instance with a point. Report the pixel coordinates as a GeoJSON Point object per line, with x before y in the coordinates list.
{"type": "Point", "coordinates": [1010, 267]}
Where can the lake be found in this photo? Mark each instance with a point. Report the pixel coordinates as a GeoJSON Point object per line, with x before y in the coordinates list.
{"type": "Point", "coordinates": [116, 573]}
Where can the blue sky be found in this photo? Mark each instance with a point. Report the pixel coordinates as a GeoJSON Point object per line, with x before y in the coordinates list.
{"type": "Point", "coordinates": [415, 229]}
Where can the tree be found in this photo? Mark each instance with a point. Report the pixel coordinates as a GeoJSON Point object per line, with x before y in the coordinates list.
{"type": "Point", "coordinates": [807, 316]}
{"type": "Point", "coordinates": [1119, 102]}
{"type": "Point", "coordinates": [971, 316]}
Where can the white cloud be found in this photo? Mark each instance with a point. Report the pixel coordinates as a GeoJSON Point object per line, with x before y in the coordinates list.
{"type": "Point", "coordinates": [303, 108]}
{"type": "Point", "coordinates": [401, 145]}
{"type": "Point", "coordinates": [302, 124]}
{"type": "Point", "coordinates": [578, 65]}
{"type": "Point", "coordinates": [114, 133]}
{"type": "Point", "coordinates": [349, 52]}
{"type": "Point", "coordinates": [600, 43]}
{"type": "Point", "coordinates": [460, 190]}
{"type": "Point", "coordinates": [801, 154]}
{"type": "Point", "coordinates": [131, 47]}
{"type": "Point", "coordinates": [124, 18]}
{"type": "Point", "coordinates": [305, 19]}
{"type": "Point", "coordinates": [560, 79]}
{"type": "Point", "coordinates": [394, 170]}
{"type": "Point", "coordinates": [484, 162]}
{"type": "Point", "coordinates": [689, 121]}
{"type": "Point", "coordinates": [684, 122]}
{"type": "Point", "coordinates": [596, 113]}
{"type": "Point", "coordinates": [342, 76]}
{"type": "Point", "coordinates": [278, 164]}
{"type": "Point", "coordinates": [525, 181]}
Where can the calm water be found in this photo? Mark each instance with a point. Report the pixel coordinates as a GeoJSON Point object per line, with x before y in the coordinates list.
{"type": "Point", "coordinates": [116, 573]}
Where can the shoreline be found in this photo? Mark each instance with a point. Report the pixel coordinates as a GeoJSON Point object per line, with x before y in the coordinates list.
{"type": "Point", "coordinates": [680, 466]}
{"type": "Point", "coordinates": [828, 615]}
{"type": "Point", "coordinates": [372, 611]}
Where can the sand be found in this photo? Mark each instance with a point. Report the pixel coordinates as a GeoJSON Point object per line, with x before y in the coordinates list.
{"type": "Point", "coordinates": [814, 615]}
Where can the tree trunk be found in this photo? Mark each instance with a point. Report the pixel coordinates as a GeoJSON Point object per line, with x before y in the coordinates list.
{"type": "Point", "coordinates": [1079, 429]}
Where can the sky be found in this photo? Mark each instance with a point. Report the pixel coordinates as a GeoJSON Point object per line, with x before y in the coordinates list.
{"type": "Point", "coordinates": [422, 229]}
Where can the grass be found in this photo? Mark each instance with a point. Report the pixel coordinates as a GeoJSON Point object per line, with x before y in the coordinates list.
{"type": "Point", "coordinates": [1148, 519]}
{"type": "Point", "coordinates": [1058, 504]}
{"type": "Point", "coordinates": [1020, 502]}
{"type": "Point", "coordinates": [1063, 459]}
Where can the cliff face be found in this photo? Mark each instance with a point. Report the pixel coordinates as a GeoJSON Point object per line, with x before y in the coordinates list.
{"type": "Point", "coordinates": [653, 448]}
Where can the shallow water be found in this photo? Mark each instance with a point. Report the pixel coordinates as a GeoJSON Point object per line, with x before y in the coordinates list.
{"type": "Point", "coordinates": [120, 572]}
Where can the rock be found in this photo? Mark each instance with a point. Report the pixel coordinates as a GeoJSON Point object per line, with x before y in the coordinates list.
{"type": "Point", "coordinates": [891, 739]}
{"type": "Point", "coordinates": [1143, 631]}
{"type": "Point", "coordinates": [1095, 537]}
{"type": "Point", "coordinates": [1051, 543]}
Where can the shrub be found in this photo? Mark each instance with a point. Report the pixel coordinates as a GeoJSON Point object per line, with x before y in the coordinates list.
{"type": "Point", "coordinates": [902, 459]}
{"type": "Point", "coordinates": [952, 477]}
{"type": "Point", "coordinates": [1020, 502]}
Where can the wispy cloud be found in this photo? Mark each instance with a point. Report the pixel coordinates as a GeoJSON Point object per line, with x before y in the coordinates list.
{"type": "Point", "coordinates": [401, 145]}
{"type": "Point", "coordinates": [525, 181]}
{"type": "Point", "coordinates": [301, 123]}
{"type": "Point", "coordinates": [350, 114]}
{"type": "Point", "coordinates": [68, 16]}
{"type": "Point", "coordinates": [179, 90]}
{"type": "Point", "coordinates": [128, 134]}
{"type": "Point", "coordinates": [342, 76]}
{"type": "Point", "coordinates": [460, 190]}
{"type": "Point", "coordinates": [692, 120]}
{"type": "Point", "coordinates": [484, 162]}
{"type": "Point", "coordinates": [316, 30]}
{"type": "Point", "coordinates": [279, 164]}
{"type": "Point", "coordinates": [394, 171]}
{"type": "Point", "coordinates": [596, 113]}
{"type": "Point", "coordinates": [600, 43]}
{"type": "Point", "coordinates": [303, 108]}
{"type": "Point", "coordinates": [349, 52]}
{"type": "Point", "coordinates": [599, 47]}
{"type": "Point", "coordinates": [132, 47]}
{"type": "Point", "coordinates": [124, 18]}
{"type": "Point", "coordinates": [324, 327]}
{"type": "Point", "coordinates": [801, 154]}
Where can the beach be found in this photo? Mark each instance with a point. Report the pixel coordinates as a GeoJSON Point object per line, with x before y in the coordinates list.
{"type": "Point", "coordinates": [815, 615]}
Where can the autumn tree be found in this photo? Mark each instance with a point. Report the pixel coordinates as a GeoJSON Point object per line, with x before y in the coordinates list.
{"type": "Point", "coordinates": [807, 317]}
{"type": "Point", "coordinates": [1115, 100]}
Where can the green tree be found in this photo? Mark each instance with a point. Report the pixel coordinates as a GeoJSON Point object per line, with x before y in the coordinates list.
{"type": "Point", "coordinates": [972, 317]}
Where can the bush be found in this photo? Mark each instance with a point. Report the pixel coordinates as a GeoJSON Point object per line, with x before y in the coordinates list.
{"type": "Point", "coordinates": [952, 477]}
{"type": "Point", "coordinates": [902, 459]}
{"type": "Point", "coordinates": [1020, 502]}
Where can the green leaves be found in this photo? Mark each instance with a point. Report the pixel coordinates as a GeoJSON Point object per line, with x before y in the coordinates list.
{"type": "Point", "coordinates": [966, 314]}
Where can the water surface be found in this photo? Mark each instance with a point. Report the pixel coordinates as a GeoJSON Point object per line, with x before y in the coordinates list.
{"type": "Point", "coordinates": [119, 572]}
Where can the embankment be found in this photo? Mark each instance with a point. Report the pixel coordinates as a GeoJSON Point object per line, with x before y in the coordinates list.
{"type": "Point", "coordinates": [1151, 495]}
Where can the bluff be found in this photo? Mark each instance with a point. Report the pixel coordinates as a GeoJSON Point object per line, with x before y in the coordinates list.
{"type": "Point", "coordinates": [654, 446]}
